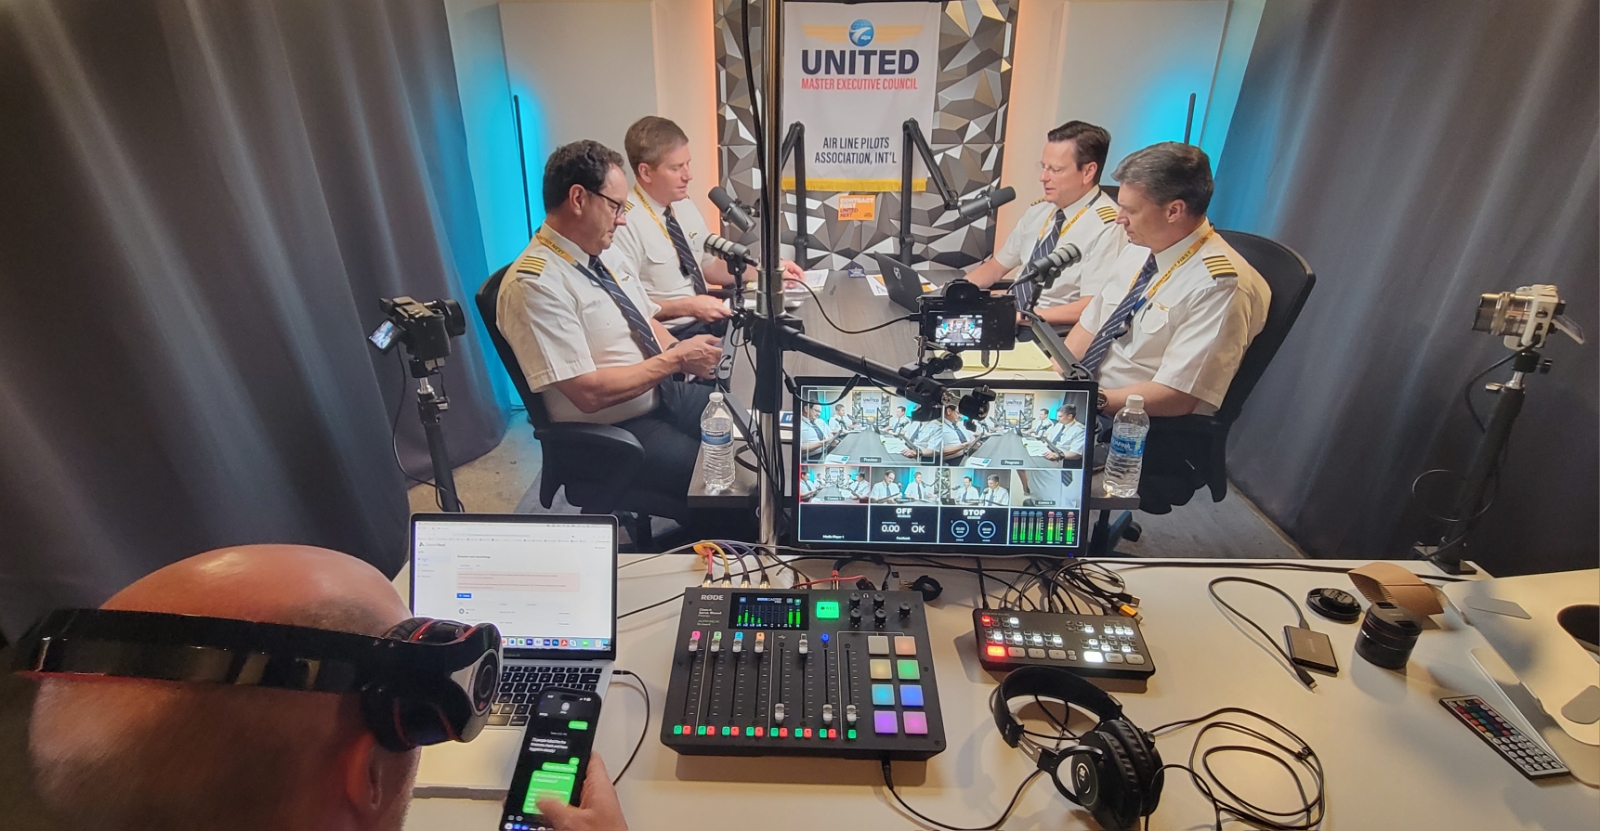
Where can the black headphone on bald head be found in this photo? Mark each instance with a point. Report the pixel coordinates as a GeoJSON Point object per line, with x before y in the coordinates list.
{"type": "Point", "coordinates": [423, 682]}
{"type": "Point", "coordinates": [1115, 769]}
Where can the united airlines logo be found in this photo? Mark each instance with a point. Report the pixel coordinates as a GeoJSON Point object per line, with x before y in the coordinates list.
{"type": "Point", "coordinates": [860, 61]}
{"type": "Point", "coordinates": [861, 33]}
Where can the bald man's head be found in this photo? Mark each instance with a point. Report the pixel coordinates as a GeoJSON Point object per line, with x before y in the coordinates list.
{"type": "Point", "coordinates": [134, 754]}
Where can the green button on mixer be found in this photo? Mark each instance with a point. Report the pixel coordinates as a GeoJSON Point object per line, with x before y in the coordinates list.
{"type": "Point", "coordinates": [827, 610]}
{"type": "Point", "coordinates": [907, 670]}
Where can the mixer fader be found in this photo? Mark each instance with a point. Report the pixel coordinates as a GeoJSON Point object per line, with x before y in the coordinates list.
{"type": "Point", "coordinates": [803, 673]}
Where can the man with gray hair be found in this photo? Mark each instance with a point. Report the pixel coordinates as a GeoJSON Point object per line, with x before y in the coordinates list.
{"type": "Point", "coordinates": [1181, 306]}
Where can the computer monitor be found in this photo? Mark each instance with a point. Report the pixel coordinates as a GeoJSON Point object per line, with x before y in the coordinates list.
{"type": "Point", "coordinates": [872, 476]}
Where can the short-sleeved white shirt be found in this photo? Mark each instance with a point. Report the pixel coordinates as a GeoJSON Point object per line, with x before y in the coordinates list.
{"type": "Point", "coordinates": [1193, 333]}
{"type": "Point", "coordinates": [996, 496]}
{"type": "Point", "coordinates": [1095, 231]}
{"type": "Point", "coordinates": [883, 491]}
{"type": "Point", "coordinates": [561, 325]}
{"type": "Point", "coordinates": [643, 247]}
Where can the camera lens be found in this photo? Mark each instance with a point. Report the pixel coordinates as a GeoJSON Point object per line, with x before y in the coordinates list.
{"type": "Point", "coordinates": [1387, 635]}
{"type": "Point", "coordinates": [484, 682]}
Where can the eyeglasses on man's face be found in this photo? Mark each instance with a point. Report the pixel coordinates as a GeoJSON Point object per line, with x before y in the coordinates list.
{"type": "Point", "coordinates": [618, 207]}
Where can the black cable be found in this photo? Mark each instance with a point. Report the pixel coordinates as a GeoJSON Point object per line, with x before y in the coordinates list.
{"type": "Point", "coordinates": [1312, 808]}
{"type": "Point", "coordinates": [825, 317]}
{"type": "Point", "coordinates": [1466, 392]}
{"type": "Point", "coordinates": [643, 731]}
{"type": "Point", "coordinates": [394, 432]}
{"type": "Point", "coordinates": [1299, 671]}
{"type": "Point", "coordinates": [888, 783]}
{"type": "Point", "coordinates": [983, 589]}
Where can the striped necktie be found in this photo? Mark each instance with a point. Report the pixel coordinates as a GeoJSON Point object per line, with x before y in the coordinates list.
{"type": "Point", "coordinates": [1027, 293]}
{"type": "Point", "coordinates": [1116, 325]}
{"type": "Point", "coordinates": [687, 264]}
{"type": "Point", "coordinates": [637, 324]}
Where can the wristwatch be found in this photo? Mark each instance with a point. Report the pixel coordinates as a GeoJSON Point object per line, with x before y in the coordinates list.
{"type": "Point", "coordinates": [1100, 399]}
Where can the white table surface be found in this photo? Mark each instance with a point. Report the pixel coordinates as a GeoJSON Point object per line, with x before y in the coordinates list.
{"type": "Point", "coordinates": [1394, 758]}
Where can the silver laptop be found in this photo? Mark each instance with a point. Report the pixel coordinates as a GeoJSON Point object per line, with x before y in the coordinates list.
{"type": "Point", "coordinates": [550, 584]}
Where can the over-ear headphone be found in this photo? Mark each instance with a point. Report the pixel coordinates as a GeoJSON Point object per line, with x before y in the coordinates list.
{"type": "Point", "coordinates": [424, 682]}
{"type": "Point", "coordinates": [1115, 768]}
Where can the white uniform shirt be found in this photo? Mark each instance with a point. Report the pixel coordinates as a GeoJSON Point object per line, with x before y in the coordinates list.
{"type": "Point", "coordinates": [1096, 233]}
{"type": "Point", "coordinates": [996, 496]}
{"type": "Point", "coordinates": [859, 488]}
{"type": "Point", "coordinates": [925, 435]}
{"type": "Point", "coordinates": [955, 434]}
{"type": "Point", "coordinates": [1192, 334]}
{"type": "Point", "coordinates": [964, 493]}
{"type": "Point", "coordinates": [643, 247]}
{"type": "Point", "coordinates": [885, 491]}
{"type": "Point", "coordinates": [561, 325]}
{"type": "Point", "coordinates": [919, 491]}
{"type": "Point", "coordinates": [1066, 436]}
{"type": "Point", "coordinates": [814, 430]}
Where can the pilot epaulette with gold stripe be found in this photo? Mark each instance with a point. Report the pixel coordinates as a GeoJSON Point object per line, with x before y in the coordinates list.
{"type": "Point", "coordinates": [530, 264]}
{"type": "Point", "coordinates": [1107, 214]}
{"type": "Point", "coordinates": [1220, 266]}
{"type": "Point", "coordinates": [628, 206]}
{"type": "Point", "coordinates": [1039, 201]}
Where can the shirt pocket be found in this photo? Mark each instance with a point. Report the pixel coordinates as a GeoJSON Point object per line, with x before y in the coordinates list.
{"type": "Point", "coordinates": [1153, 319]}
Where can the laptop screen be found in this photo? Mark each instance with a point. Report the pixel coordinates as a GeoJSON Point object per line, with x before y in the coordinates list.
{"type": "Point", "coordinates": [548, 583]}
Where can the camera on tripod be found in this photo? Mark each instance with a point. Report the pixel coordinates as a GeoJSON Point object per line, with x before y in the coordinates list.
{"type": "Point", "coordinates": [968, 317]}
{"type": "Point", "coordinates": [424, 328]}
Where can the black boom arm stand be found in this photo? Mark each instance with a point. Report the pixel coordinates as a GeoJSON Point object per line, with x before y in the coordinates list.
{"type": "Point", "coordinates": [795, 143]}
{"type": "Point", "coordinates": [912, 141]}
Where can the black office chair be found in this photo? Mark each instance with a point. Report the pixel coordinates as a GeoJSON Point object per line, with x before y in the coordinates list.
{"type": "Point", "coordinates": [1186, 453]}
{"type": "Point", "coordinates": [596, 463]}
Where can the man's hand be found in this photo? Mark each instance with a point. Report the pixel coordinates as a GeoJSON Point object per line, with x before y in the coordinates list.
{"type": "Point", "coordinates": [698, 356]}
{"type": "Point", "coordinates": [707, 308]}
{"type": "Point", "coordinates": [792, 272]}
{"type": "Point", "coordinates": [909, 453]}
{"type": "Point", "coordinates": [600, 812]}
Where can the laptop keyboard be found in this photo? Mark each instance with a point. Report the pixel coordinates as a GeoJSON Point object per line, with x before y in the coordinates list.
{"type": "Point", "coordinates": [521, 684]}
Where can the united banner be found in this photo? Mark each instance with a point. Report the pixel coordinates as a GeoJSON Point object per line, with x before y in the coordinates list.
{"type": "Point", "coordinates": [852, 74]}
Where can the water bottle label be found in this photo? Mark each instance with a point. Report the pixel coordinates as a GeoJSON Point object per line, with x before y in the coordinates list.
{"type": "Point", "coordinates": [716, 439]}
{"type": "Point", "coordinates": [1127, 445]}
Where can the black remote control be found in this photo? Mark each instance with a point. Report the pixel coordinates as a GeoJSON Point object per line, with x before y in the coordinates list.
{"type": "Point", "coordinates": [1522, 752]}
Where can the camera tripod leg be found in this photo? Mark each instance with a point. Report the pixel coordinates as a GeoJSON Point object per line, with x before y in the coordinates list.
{"type": "Point", "coordinates": [429, 405]}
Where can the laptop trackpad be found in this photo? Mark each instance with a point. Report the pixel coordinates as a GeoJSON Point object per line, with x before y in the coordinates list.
{"type": "Point", "coordinates": [479, 769]}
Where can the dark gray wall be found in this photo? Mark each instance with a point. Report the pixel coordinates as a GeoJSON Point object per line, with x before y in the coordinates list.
{"type": "Point", "coordinates": [1419, 154]}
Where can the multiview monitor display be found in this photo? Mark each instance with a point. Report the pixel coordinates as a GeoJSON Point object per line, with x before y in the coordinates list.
{"type": "Point", "coordinates": [872, 473]}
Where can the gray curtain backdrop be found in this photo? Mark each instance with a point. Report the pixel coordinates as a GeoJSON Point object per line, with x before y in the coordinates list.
{"type": "Point", "coordinates": [1418, 154]}
{"type": "Point", "coordinates": [203, 203]}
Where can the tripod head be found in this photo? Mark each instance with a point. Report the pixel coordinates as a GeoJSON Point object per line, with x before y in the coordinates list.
{"type": "Point", "coordinates": [424, 328]}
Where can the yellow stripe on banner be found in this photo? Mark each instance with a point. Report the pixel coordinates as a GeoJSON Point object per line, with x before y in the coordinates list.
{"type": "Point", "coordinates": [815, 185]}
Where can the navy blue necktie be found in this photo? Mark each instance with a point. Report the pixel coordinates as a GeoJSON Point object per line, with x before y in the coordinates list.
{"type": "Point", "coordinates": [1028, 292]}
{"type": "Point", "coordinates": [637, 324]}
{"type": "Point", "coordinates": [1116, 325]}
{"type": "Point", "coordinates": [687, 264]}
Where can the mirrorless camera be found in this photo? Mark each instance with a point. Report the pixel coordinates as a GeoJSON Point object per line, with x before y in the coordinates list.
{"type": "Point", "coordinates": [968, 317]}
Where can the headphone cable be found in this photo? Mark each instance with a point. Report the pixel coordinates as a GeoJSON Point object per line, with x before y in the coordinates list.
{"type": "Point", "coordinates": [1312, 807]}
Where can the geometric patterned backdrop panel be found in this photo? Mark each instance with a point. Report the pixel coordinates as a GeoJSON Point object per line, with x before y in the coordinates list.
{"type": "Point", "coordinates": [967, 137]}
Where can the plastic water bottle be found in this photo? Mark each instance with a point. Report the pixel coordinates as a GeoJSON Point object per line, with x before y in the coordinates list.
{"type": "Point", "coordinates": [716, 445]}
{"type": "Point", "coordinates": [1126, 458]}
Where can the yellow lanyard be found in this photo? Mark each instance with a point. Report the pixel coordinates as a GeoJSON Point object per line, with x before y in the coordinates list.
{"type": "Point", "coordinates": [659, 224]}
{"type": "Point", "coordinates": [1067, 227]}
{"type": "Point", "coordinates": [562, 253]}
{"type": "Point", "coordinates": [1151, 293]}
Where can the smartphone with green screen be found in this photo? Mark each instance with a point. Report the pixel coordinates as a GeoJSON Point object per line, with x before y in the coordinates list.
{"type": "Point", "coordinates": [554, 755]}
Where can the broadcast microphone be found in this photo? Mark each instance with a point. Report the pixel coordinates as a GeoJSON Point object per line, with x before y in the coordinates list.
{"type": "Point", "coordinates": [1047, 268]}
{"type": "Point", "coordinates": [727, 249]}
{"type": "Point", "coordinates": [973, 208]}
{"type": "Point", "coordinates": [732, 211]}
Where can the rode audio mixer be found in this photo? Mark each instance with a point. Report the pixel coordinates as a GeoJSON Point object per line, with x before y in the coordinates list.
{"type": "Point", "coordinates": [1098, 646]}
{"type": "Point", "coordinates": [803, 673]}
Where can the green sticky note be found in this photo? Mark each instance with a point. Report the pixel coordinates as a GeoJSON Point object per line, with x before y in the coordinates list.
{"type": "Point", "coordinates": [827, 610]}
{"type": "Point", "coordinates": [577, 725]}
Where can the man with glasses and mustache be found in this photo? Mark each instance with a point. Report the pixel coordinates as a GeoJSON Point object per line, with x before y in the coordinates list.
{"type": "Point", "coordinates": [586, 334]}
{"type": "Point", "coordinates": [1074, 210]}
